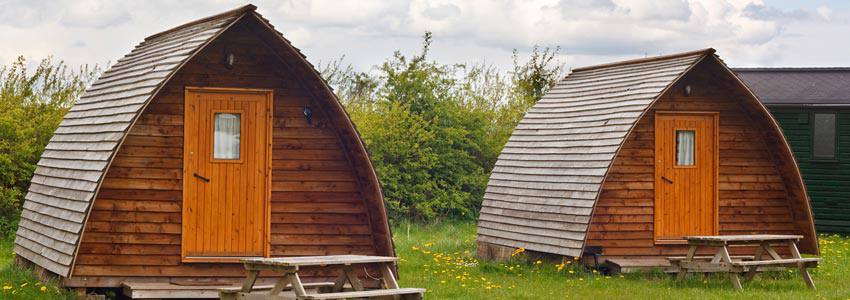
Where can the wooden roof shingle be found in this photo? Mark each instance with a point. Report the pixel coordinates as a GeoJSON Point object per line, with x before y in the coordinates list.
{"type": "Point", "coordinates": [547, 179]}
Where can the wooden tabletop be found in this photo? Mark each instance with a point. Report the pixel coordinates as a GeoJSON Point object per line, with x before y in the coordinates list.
{"type": "Point", "coordinates": [327, 260]}
{"type": "Point", "coordinates": [747, 238]}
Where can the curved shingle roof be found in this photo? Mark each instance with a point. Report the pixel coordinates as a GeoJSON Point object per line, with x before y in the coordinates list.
{"type": "Point", "coordinates": [74, 162]}
{"type": "Point", "coordinates": [548, 177]}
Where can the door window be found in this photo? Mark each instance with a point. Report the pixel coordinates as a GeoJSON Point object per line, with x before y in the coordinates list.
{"type": "Point", "coordinates": [685, 147]}
{"type": "Point", "coordinates": [227, 136]}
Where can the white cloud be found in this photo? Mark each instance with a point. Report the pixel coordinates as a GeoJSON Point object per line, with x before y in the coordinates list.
{"type": "Point", "coordinates": [745, 32]}
{"type": "Point", "coordinates": [24, 14]}
{"type": "Point", "coordinates": [93, 13]}
{"type": "Point", "coordinates": [669, 10]}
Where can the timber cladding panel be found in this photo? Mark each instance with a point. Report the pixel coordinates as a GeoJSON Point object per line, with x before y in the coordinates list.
{"type": "Point", "coordinates": [543, 188]}
{"type": "Point", "coordinates": [316, 208]}
{"type": "Point", "coordinates": [75, 161]}
{"type": "Point", "coordinates": [324, 193]}
{"type": "Point", "coordinates": [579, 169]}
{"type": "Point", "coordinates": [751, 194]}
{"type": "Point", "coordinates": [827, 181]}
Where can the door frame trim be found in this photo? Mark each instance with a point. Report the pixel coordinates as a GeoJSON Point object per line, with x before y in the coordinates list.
{"type": "Point", "coordinates": [716, 202]}
{"type": "Point", "coordinates": [269, 106]}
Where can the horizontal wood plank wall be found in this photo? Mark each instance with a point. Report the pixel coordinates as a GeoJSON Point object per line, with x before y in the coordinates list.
{"type": "Point", "coordinates": [317, 204]}
{"type": "Point", "coordinates": [827, 181]}
{"type": "Point", "coordinates": [752, 195]}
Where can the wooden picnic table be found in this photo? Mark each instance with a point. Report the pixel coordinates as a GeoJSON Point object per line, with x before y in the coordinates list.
{"type": "Point", "coordinates": [747, 266]}
{"type": "Point", "coordinates": [346, 264]}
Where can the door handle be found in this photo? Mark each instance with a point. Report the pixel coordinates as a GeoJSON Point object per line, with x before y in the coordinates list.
{"type": "Point", "coordinates": [667, 179]}
{"type": "Point", "coordinates": [201, 177]}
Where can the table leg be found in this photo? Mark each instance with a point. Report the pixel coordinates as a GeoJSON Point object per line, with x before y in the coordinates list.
{"type": "Point", "coordinates": [795, 253]}
{"type": "Point", "coordinates": [297, 287]}
{"type": "Point", "coordinates": [727, 259]}
{"type": "Point", "coordinates": [279, 286]}
{"type": "Point", "coordinates": [388, 276]}
{"type": "Point", "coordinates": [683, 272]}
{"type": "Point", "coordinates": [248, 284]}
{"type": "Point", "coordinates": [751, 273]}
{"type": "Point", "coordinates": [352, 278]}
{"type": "Point", "coordinates": [769, 249]}
{"type": "Point", "coordinates": [340, 281]}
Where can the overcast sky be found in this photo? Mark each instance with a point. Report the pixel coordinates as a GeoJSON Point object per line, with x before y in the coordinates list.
{"type": "Point", "coordinates": [745, 32]}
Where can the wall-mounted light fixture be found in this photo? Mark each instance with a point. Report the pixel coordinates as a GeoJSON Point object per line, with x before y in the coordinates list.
{"type": "Point", "coordinates": [308, 115]}
{"type": "Point", "coordinates": [229, 60]}
{"type": "Point", "coordinates": [687, 90]}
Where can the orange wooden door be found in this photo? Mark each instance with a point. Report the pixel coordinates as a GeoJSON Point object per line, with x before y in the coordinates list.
{"type": "Point", "coordinates": [686, 175]}
{"type": "Point", "coordinates": [226, 174]}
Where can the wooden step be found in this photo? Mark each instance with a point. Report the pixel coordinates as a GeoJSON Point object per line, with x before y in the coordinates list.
{"type": "Point", "coordinates": [157, 290]}
{"type": "Point", "coordinates": [632, 265]}
{"type": "Point", "coordinates": [414, 293]}
{"type": "Point", "coordinates": [163, 290]}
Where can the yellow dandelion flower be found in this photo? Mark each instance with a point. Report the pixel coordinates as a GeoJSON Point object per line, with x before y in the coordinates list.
{"type": "Point", "coordinates": [43, 289]}
{"type": "Point", "coordinates": [25, 284]}
{"type": "Point", "coordinates": [538, 262]}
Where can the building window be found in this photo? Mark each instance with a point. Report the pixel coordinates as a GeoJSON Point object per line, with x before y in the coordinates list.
{"type": "Point", "coordinates": [685, 147]}
{"type": "Point", "coordinates": [226, 138]}
{"type": "Point", "coordinates": [825, 138]}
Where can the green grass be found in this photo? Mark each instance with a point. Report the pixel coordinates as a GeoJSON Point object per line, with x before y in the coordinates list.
{"type": "Point", "coordinates": [441, 258]}
{"type": "Point", "coordinates": [21, 283]}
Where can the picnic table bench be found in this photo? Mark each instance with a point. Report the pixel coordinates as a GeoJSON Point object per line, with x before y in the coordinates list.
{"type": "Point", "coordinates": [743, 265]}
{"type": "Point", "coordinates": [291, 281]}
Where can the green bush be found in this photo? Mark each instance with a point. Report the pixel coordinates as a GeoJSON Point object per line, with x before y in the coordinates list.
{"type": "Point", "coordinates": [434, 131]}
{"type": "Point", "coordinates": [32, 103]}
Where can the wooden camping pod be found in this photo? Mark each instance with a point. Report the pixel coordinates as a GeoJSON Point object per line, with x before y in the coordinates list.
{"type": "Point", "coordinates": [603, 160]}
{"type": "Point", "coordinates": [131, 188]}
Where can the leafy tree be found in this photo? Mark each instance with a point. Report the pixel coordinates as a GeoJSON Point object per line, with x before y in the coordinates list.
{"type": "Point", "coordinates": [434, 131]}
{"type": "Point", "coordinates": [32, 104]}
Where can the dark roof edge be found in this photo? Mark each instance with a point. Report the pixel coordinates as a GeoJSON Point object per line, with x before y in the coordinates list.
{"type": "Point", "coordinates": [232, 12]}
{"type": "Point", "coordinates": [808, 104]}
{"type": "Point", "coordinates": [706, 51]}
{"type": "Point", "coordinates": [791, 69]}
